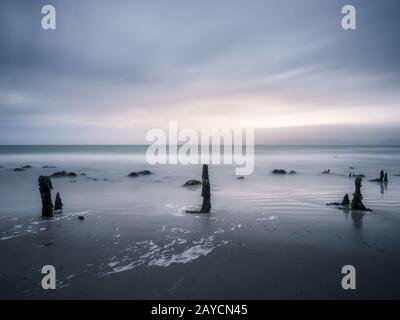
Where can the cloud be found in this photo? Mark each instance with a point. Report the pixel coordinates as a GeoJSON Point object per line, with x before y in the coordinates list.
{"type": "Point", "coordinates": [113, 70]}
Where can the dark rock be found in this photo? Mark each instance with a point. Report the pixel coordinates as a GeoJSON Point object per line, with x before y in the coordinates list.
{"type": "Point", "coordinates": [145, 172]}
{"type": "Point", "coordinates": [192, 183]}
{"type": "Point", "coordinates": [326, 171]}
{"type": "Point", "coordinates": [19, 169]}
{"type": "Point", "coordinates": [45, 188]}
{"type": "Point", "coordinates": [133, 175]}
{"type": "Point", "coordinates": [61, 174]}
{"type": "Point", "coordinates": [356, 203]}
{"type": "Point", "coordinates": [351, 168]}
{"type": "Point", "coordinates": [48, 167]}
{"type": "Point", "coordinates": [292, 172]}
{"type": "Point", "coordinates": [58, 205]}
{"type": "Point", "coordinates": [279, 171]}
{"type": "Point", "coordinates": [345, 202]}
{"type": "Point", "coordinates": [240, 178]}
{"type": "Point", "coordinates": [205, 192]}
{"type": "Point", "coordinates": [82, 174]}
{"type": "Point", "coordinates": [139, 173]}
{"type": "Point", "coordinates": [81, 218]}
{"type": "Point", "coordinates": [27, 167]}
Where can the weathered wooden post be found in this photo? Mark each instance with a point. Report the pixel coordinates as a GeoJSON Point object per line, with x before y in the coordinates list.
{"type": "Point", "coordinates": [58, 205]}
{"type": "Point", "coordinates": [356, 203]}
{"type": "Point", "coordinates": [205, 191]}
{"type": "Point", "coordinates": [45, 188]}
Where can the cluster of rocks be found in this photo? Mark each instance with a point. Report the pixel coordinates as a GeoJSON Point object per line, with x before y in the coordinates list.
{"type": "Point", "coordinates": [62, 174]}
{"type": "Point", "coordinates": [135, 174]}
{"type": "Point", "coordinates": [282, 171]}
{"type": "Point", "coordinates": [326, 171]}
{"type": "Point", "coordinates": [23, 168]}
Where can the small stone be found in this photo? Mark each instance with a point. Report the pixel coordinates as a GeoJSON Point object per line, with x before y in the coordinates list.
{"type": "Point", "coordinates": [192, 182]}
{"type": "Point", "coordinates": [279, 171]}
{"type": "Point", "coordinates": [81, 218]}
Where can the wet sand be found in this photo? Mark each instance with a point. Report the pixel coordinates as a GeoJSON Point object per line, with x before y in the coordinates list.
{"type": "Point", "coordinates": [242, 262]}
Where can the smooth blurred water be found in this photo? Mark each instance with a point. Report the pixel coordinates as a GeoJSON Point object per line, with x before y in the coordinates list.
{"type": "Point", "coordinates": [109, 165]}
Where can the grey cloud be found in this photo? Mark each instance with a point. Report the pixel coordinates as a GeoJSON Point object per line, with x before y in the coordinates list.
{"type": "Point", "coordinates": [150, 59]}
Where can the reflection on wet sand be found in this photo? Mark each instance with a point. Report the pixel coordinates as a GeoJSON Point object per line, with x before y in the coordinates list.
{"type": "Point", "coordinates": [357, 217]}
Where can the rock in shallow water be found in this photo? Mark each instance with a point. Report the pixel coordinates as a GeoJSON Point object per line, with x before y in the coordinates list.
{"type": "Point", "coordinates": [192, 182]}
{"type": "Point", "coordinates": [282, 171]}
{"type": "Point", "coordinates": [345, 202]}
{"type": "Point", "coordinates": [279, 171]}
{"type": "Point", "coordinates": [61, 174]}
{"type": "Point", "coordinates": [135, 174]}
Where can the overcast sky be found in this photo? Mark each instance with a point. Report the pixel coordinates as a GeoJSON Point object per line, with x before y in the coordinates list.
{"type": "Point", "coordinates": [114, 69]}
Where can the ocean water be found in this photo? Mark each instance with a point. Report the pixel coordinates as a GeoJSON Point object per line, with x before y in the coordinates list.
{"type": "Point", "coordinates": [268, 233]}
